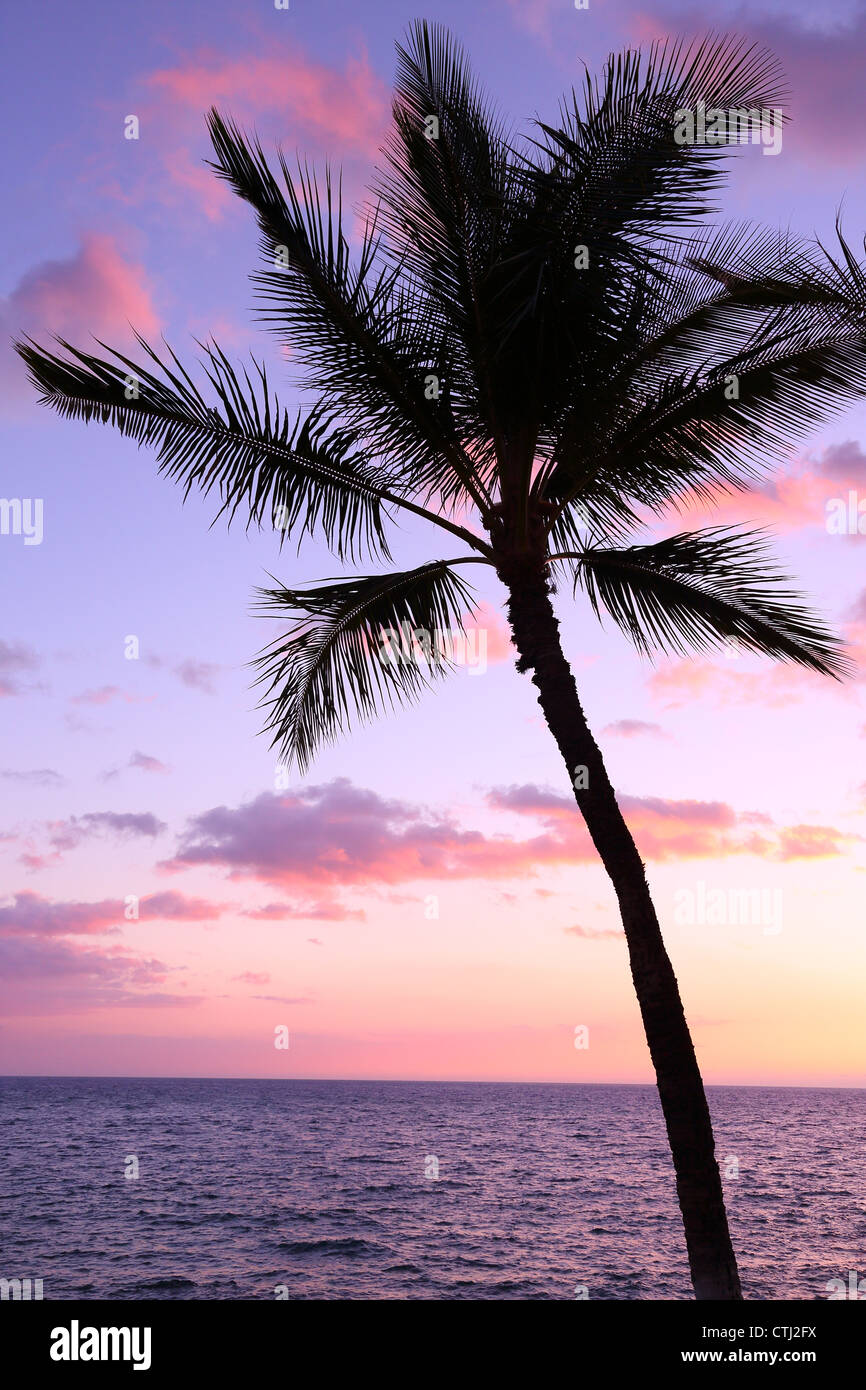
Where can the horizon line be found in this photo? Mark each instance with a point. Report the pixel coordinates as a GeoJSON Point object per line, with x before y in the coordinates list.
{"type": "Point", "coordinates": [425, 1081]}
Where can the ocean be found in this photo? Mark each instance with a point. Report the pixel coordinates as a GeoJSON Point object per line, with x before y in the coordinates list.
{"type": "Point", "coordinates": [207, 1189]}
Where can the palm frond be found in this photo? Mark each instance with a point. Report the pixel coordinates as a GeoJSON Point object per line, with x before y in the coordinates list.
{"type": "Point", "coordinates": [613, 178]}
{"type": "Point", "coordinates": [303, 478]}
{"type": "Point", "coordinates": [345, 651]}
{"type": "Point", "coordinates": [444, 202]}
{"type": "Point", "coordinates": [698, 590]}
{"type": "Point", "coordinates": [362, 332]}
{"type": "Point", "coordinates": [724, 387]}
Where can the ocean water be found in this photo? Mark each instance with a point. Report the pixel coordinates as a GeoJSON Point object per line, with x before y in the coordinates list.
{"type": "Point", "coordinates": [329, 1189]}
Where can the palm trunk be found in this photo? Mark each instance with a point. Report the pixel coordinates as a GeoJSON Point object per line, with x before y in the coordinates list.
{"type": "Point", "coordinates": [684, 1104]}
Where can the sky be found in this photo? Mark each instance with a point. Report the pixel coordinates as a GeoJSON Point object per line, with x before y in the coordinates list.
{"type": "Point", "coordinates": [423, 902]}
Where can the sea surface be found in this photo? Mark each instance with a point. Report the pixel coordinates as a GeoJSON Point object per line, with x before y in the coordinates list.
{"type": "Point", "coordinates": [330, 1189]}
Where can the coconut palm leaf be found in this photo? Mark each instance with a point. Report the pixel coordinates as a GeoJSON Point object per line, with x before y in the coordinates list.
{"type": "Point", "coordinates": [362, 333]}
{"type": "Point", "coordinates": [349, 650]}
{"type": "Point", "coordinates": [309, 477]}
{"type": "Point", "coordinates": [713, 397]}
{"type": "Point", "coordinates": [699, 590]}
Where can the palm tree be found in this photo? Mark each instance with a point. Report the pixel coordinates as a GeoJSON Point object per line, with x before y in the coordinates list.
{"type": "Point", "coordinates": [471, 360]}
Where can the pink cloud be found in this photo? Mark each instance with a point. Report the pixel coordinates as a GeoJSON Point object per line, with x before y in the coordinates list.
{"type": "Point", "coordinates": [322, 910]}
{"type": "Point", "coordinates": [321, 111]}
{"type": "Point", "coordinates": [601, 934]}
{"type": "Point", "coordinates": [49, 977]}
{"type": "Point", "coordinates": [340, 835]}
{"type": "Point", "coordinates": [347, 110]}
{"type": "Point", "coordinates": [634, 728]}
{"type": "Point", "coordinates": [535, 16]}
{"type": "Point", "coordinates": [797, 496]}
{"type": "Point", "coordinates": [284, 999]}
{"type": "Point", "coordinates": [174, 907]}
{"type": "Point", "coordinates": [672, 829]}
{"type": "Point", "coordinates": [146, 763]}
{"type": "Point", "coordinates": [489, 620]}
{"type": "Point", "coordinates": [194, 674]}
{"type": "Point", "coordinates": [33, 915]}
{"type": "Point", "coordinates": [337, 834]}
{"type": "Point", "coordinates": [663, 829]}
{"type": "Point", "coordinates": [98, 291]}
{"type": "Point", "coordinates": [103, 696]}
{"type": "Point", "coordinates": [687, 681]}
{"type": "Point", "coordinates": [813, 842]}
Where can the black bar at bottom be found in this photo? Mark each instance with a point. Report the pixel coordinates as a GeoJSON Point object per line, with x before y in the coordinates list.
{"type": "Point", "coordinates": [164, 1339]}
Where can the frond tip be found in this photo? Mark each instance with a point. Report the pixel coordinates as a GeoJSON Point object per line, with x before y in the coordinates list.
{"type": "Point", "coordinates": [699, 590]}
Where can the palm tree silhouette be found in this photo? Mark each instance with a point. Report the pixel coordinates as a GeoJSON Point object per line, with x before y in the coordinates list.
{"type": "Point", "coordinates": [545, 335]}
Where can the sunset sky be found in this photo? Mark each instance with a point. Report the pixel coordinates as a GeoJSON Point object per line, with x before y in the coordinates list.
{"type": "Point", "coordinates": [424, 902]}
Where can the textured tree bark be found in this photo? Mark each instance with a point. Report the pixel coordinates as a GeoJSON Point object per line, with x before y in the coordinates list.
{"type": "Point", "coordinates": [687, 1117]}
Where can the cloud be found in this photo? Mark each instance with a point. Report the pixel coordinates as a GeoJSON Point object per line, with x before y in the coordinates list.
{"type": "Point", "coordinates": [527, 797]}
{"type": "Point", "coordinates": [146, 763]}
{"type": "Point", "coordinates": [42, 972]}
{"type": "Point", "coordinates": [253, 977]}
{"type": "Point", "coordinates": [341, 110]}
{"type": "Point", "coordinates": [813, 842]}
{"type": "Point", "coordinates": [339, 835]}
{"type": "Point", "coordinates": [103, 696]}
{"type": "Point", "coordinates": [175, 907]}
{"type": "Point", "coordinates": [32, 914]}
{"type": "Point", "coordinates": [42, 977]}
{"type": "Point", "coordinates": [535, 16]}
{"type": "Point", "coordinates": [601, 934]}
{"type": "Point", "coordinates": [634, 728]}
{"type": "Point", "coordinates": [198, 675]}
{"type": "Point", "coordinates": [339, 113]}
{"type": "Point", "coordinates": [283, 999]}
{"type": "Point", "coordinates": [15, 658]}
{"type": "Point", "coordinates": [195, 675]}
{"type": "Point", "coordinates": [321, 910]}
{"type": "Point", "coordinates": [669, 830]}
{"type": "Point", "coordinates": [684, 682]}
{"type": "Point", "coordinates": [37, 776]}
{"type": "Point", "coordinates": [798, 496]}
{"type": "Point", "coordinates": [823, 67]}
{"type": "Point", "coordinates": [68, 834]}
{"type": "Point", "coordinates": [97, 292]}
{"type": "Point", "coordinates": [490, 621]}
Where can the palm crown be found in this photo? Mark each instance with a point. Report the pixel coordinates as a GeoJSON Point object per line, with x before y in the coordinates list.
{"type": "Point", "coordinates": [471, 365]}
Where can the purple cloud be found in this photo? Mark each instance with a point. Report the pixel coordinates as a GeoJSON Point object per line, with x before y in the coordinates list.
{"type": "Point", "coordinates": [31, 914]}
{"type": "Point", "coordinates": [41, 977]}
{"type": "Point", "coordinates": [37, 776]}
{"type": "Point", "coordinates": [66, 835]}
{"type": "Point", "coordinates": [15, 658]}
{"type": "Point", "coordinates": [321, 910]}
{"type": "Point", "coordinates": [147, 763]}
